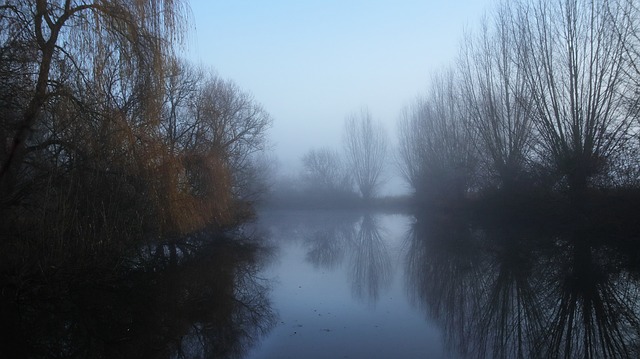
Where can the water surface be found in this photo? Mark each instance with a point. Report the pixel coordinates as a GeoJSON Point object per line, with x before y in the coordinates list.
{"type": "Point", "coordinates": [340, 289]}
{"type": "Point", "coordinates": [332, 284]}
{"type": "Point", "coordinates": [366, 285]}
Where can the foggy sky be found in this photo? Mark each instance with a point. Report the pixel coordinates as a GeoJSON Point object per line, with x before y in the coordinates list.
{"type": "Point", "coordinates": [311, 63]}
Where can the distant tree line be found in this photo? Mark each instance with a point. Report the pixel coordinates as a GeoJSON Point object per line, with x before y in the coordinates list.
{"type": "Point", "coordinates": [544, 97]}
{"type": "Point", "coordinates": [107, 137]}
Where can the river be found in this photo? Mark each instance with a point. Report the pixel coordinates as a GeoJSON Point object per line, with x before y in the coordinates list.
{"type": "Point", "coordinates": [340, 289]}
{"type": "Point", "coordinates": [367, 285]}
{"type": "Point", "coordinates": [347, 284]}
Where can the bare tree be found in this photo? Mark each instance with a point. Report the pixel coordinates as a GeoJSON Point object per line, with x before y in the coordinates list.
{"type": "Point", "coordinates": [494, 93]}
{"type": "Point", "coordinates": [630, 29]}
{"type": "Point", "coordinates": [437, 153]}
{"type": "Point", "coordinates": [325, 171]}
{"type": "Point", "coordinates": [573, 57]}
{"type": "Point", "coordinates": [411, 146]}
{"type": "Point", "coordinates": [229, 121]}
{"type": "Point", "coordinates": [366, 150]}
{"type": "Point", "coordinates": [182, 82]}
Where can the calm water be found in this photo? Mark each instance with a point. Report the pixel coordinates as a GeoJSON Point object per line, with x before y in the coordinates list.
{"type": "Point", "coordinates": [347, 285]}
{"type": "Point", "coordinates": [357, 285]}
{"type": "Point", "coordinates": [340, 289]}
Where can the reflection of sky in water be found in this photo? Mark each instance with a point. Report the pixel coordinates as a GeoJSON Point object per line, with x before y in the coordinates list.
{"type": "Point", "coordinates": [328, 310]}
{"type": "Point", "coordinates": [383, 286]}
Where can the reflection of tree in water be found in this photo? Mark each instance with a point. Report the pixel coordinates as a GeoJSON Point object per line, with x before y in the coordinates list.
{"type": "Point", "coordinates": [444, 278]}
{"type": "Point", "coordinates": [328, 243]}
{"type": "Point", "coordinates": [371, 264]}
{"type": "Point", "coordinates": [501, 293]}
{"type": "Point", "coordinates": [592, 304]}
{"type": "Point", "coordinates": [510, 319]}
{"type": "Point", "coordinates": [359, 240]}
{"type": "Point", "coordinates": [207, 304]}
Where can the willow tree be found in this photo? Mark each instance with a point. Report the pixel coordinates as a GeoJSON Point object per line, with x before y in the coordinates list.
{"type": "Point", "coordinates": [573, 57]}
{"type": "Point", "coordinates": [437, 154]}
{"type": "Point", "coordinates": [493, 90]}
{"type": "Point", "coordinates": [59, 38]}
{"type": "Point", "coordinates": [366, 146]}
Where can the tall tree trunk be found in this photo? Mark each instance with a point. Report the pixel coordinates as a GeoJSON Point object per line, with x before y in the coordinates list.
{"type": "Point", "coordinates": [11, 167]}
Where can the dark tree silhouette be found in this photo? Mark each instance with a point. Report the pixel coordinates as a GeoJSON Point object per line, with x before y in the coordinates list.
{"type": "Point", "coordinates": [496, 100]}
{"type": "Point", "coordinates": [60, 34]}
{"type": "Point", "coordinates": [572, 54]}
{"type": "Point", "coordinates": [437, 151]}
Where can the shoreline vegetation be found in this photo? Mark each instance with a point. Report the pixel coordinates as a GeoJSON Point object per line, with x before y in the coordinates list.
{"type": "Point", "coordinates": [615, 207]}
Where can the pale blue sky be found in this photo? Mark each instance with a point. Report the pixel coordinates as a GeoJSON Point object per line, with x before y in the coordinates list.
{"type": "Point", "coordinates": [311, 63]}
